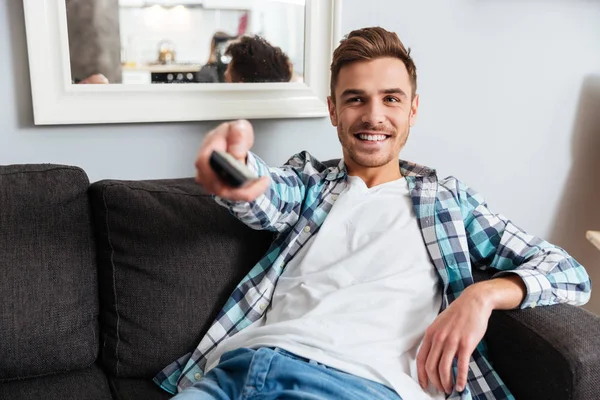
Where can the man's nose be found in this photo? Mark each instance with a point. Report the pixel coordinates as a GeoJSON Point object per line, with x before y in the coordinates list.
{"type": "Point", "coordinates": [374, 113]}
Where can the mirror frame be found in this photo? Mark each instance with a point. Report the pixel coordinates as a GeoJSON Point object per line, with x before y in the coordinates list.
{"type": "Point", "coordinates": [56, 101]}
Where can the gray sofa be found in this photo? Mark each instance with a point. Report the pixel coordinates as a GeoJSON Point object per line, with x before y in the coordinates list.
{"type": "Point", "coordinates": [102, 285]}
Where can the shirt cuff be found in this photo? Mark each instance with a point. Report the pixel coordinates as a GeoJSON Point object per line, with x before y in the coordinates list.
{"type": "Point", "coordinates": [539, 288]}
{"type": "Point", "coordinates": [252, 163]}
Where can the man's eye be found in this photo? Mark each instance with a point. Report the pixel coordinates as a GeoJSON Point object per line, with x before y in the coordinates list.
{"type": "Point", "coordinates": [355, 100]}
{"type": "Point", "coordinates": [392, 99]}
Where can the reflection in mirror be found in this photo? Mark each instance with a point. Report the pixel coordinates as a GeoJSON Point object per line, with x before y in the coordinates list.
{"type": "Point", "coordinates": [186, 41]}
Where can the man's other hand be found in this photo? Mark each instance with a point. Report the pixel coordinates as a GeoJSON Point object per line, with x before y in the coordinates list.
{"type": "Point", "coordinates": [236, 138]}
{"type": "Point", "coordinates": [455, 333]}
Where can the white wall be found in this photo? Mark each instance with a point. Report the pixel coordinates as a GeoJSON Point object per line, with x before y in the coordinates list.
{"type": "Point", "coordinates": [510, 104]}
{"type": "Point", "coordinates": [189, 29]}
{"type": "Point", "coordinates": [282, 24]}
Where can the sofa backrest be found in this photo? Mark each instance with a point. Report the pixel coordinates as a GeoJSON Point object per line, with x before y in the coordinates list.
{"type": "Point", "coordinates": [48, 285]}
{"type": "Point", "coordinates": [168, 258]}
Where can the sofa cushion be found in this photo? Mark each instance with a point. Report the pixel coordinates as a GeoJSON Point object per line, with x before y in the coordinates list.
{"type": "Point", "coordinates": [48, 285]}
{"type": "Point", "coordinates": [136, 389]}
{"type": "Point", "coordinates": [168, 258]}
{"type": "Point", "coordinates": [86, 384]}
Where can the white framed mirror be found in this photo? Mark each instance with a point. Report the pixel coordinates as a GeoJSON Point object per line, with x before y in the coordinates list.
{"type": "Point", "coordinates": [148, 57]}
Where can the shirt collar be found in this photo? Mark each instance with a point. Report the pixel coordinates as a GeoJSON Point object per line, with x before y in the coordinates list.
{"type": "Point", "coordinates": [407, 168]}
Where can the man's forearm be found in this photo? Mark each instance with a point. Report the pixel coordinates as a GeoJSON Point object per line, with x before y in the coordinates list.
{"type": "Point", "coordinates": [504, 293]}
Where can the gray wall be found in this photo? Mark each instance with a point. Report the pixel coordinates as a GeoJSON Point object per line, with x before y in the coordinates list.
{"type": "Point", "coordinates": [510, 104]}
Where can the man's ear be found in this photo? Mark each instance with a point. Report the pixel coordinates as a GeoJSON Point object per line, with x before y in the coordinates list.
{"type": "Point", "coordinates": [414, 110]}
{"type": "Point", "coordinates": [332, 112]}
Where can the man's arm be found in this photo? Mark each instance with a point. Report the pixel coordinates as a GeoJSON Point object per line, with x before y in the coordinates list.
{"type": "Point", "coordinates": [274, 201]}
{"type": "Point", "coordinates": [279, 207]}
{"type": "Point", "coordinates": [532, 272]}
{"type": "Point", "coordinates": [550, 275]}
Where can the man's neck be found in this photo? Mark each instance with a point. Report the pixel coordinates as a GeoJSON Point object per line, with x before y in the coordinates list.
{"type": "Point", "coordinates": [373, 176]}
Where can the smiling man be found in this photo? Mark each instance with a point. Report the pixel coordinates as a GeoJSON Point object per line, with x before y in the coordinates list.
{"type": "Point", "coordinates": [367, 290]}
{"type": "Point", "coordinates": [373, 105]}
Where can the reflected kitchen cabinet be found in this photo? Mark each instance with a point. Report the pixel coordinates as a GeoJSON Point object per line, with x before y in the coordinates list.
{"type": "Point", "coordinates": [169, 73]}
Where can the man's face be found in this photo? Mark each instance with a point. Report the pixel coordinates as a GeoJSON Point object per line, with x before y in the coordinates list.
{"type": "Point", "coordinates": [373, 111]}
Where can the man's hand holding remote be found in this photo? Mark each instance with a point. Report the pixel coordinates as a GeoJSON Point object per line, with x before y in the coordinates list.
{"type": "Point", "coordinates": [236, 138]}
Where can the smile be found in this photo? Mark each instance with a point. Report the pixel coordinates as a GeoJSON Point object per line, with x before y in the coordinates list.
{"type": "Point", "coordinates": [371, 137]}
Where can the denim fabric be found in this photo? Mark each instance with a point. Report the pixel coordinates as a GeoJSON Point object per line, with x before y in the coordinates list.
{"type": "Point", "coordinates": [267, 374]}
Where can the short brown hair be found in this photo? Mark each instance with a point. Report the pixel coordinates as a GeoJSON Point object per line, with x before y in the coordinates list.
{"type": "Point", "coordinates": [253, 59]}
{"type": "Point", "coordinates": [368, 44]}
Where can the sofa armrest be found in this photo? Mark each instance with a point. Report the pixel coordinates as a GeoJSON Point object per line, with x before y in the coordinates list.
{"type": "Point", "coordinates": [547, 352]}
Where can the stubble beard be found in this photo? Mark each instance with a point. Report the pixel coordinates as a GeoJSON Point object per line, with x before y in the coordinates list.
{"type": "Point", "coordinates": [368, 160]}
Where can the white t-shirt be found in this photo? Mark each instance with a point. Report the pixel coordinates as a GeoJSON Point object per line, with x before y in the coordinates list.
{"type": "Point", "coordinates": [359, 295]}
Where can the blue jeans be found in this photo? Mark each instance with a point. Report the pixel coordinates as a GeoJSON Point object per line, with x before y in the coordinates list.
{"type": "Point", "coordinates": [267, 374]}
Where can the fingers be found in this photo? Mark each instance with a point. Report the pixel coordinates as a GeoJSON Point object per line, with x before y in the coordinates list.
{"type": "Point", "coordinates": [240, 139]}
{"type": "Point", "coordinates": [214, 140]}
{"type": "Point", "coordinates": [422, 359]}
{"type": "Point", "coordinates": [453, 335]}
{"type": "Point", "coordinates": [433, 362]}
{"type": "Point", "coordinates": [445, 365]}
{"type": "Point", "coordinates": [464, 356]}
{"type": "Point", "coordinates": [247, 193]}
{"type": "Point", "coordinates": [235, 138]}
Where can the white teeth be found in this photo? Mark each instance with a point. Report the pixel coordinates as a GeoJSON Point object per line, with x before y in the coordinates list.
{"type": "Point", "coordinates": [373, 138]}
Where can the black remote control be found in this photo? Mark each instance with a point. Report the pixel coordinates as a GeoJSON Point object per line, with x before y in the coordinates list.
{"type": "Point", "coordinates": [230, 170]}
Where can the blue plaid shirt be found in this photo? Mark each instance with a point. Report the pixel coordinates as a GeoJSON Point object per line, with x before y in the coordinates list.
{"type": "Point", "coordinates": [459, 232]}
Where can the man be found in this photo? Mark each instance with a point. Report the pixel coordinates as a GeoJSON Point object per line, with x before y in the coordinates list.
{"type": "Point", "coordinates": [367, 291]}
{"type": "Point", "coordinates": [254, 60]}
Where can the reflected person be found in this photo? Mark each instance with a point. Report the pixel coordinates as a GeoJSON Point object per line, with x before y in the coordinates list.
{"type": "Point", "coordinates": [214, 69]}
{"type": "Point", "coordinates": [254, 60]}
